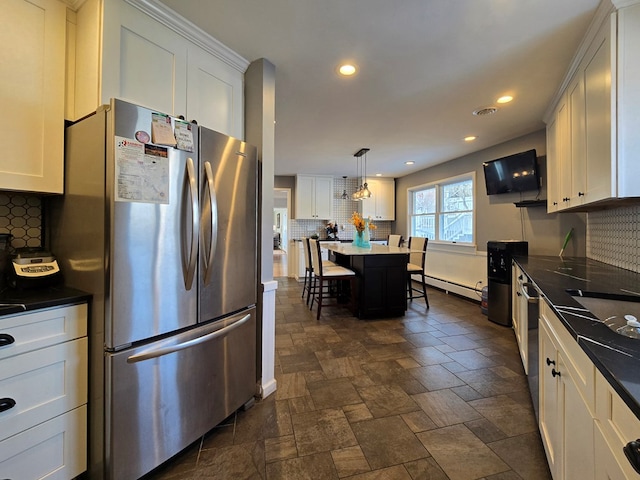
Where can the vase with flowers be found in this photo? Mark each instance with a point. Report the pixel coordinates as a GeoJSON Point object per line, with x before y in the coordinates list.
{"type": "Point", "coordinates": [363, 225]}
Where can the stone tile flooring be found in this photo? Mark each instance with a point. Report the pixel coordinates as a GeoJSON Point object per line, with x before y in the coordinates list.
{"type": "Point", "coordinates": [437, 394]}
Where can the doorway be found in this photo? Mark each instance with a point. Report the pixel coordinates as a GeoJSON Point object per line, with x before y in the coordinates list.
{"type": "Point", "coordinates": [281, 207]}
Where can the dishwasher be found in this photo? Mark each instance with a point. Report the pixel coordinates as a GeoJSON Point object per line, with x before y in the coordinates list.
{"type": "Point", "coordinates": [528, 298]}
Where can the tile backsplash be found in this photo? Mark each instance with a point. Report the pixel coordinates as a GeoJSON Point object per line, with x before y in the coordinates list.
{"type": "Point", "coordinates": [342, 210]}
{"type": "Point", "coordinates": [613, 237]}
{"type": "Point", "coordinates": [21, 216]}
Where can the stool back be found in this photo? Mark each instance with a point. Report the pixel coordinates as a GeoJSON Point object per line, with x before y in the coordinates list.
{"type": "Point", "coordinates": [316, 262]}
{"type": "Point", "coordinates": [418, 247]}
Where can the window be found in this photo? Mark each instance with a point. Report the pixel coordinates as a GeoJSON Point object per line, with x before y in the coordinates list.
{"type": "Point", "coordinates": [444, 211]}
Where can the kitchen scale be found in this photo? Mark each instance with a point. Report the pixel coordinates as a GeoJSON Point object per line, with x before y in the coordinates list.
{"type": "Point", "coordinates": [34, 267]}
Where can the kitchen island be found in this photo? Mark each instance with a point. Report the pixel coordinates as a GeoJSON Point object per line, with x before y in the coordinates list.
{"type": "Point", "coordinates": [381, 273]}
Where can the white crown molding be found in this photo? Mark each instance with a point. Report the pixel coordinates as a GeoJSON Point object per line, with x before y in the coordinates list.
{"type": "Point", "coordinates": [624, 3]}
{"type": "Point", "coordinates": [602, 14]}
{"type": "Point", "coordinates": [191, 32]}
{"type": "Point", "coordinates": [73, 4]}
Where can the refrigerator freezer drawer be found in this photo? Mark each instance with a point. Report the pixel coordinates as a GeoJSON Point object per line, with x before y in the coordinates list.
{"type": "Point", "coordinates": [163, 396]}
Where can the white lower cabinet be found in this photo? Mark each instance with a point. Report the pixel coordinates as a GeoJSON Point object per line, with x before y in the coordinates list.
{"type": "Point", "coordinates": [567, 401]}
{"type": "Point", "coordinates": [43, 394]}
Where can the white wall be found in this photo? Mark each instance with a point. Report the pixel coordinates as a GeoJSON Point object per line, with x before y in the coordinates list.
{"type": "Point", "coordinates": [497, 218]}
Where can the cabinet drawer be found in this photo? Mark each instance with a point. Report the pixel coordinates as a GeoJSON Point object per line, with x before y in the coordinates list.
{"type": "Point", "coordinates": [42, 328]}
{"type": "Point", "coordinates": [55, 450]}
{"type": "Point", "coordinates": [43, 384]}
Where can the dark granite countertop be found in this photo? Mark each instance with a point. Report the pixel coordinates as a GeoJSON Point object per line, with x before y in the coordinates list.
{"type": "Point", "coordinates": [16, 301]}
{"type": "Point", "coordinates": [617, 357]}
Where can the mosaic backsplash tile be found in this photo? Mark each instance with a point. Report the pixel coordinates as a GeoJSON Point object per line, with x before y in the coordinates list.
{"type": "Point", "coordinates": [613, 237]}
{"type": "Point", "coordinates": [21, 216]}
{"type": "Point", "coordinates": [342, 210]}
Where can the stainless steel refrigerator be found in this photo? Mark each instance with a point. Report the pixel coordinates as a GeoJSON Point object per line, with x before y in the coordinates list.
{"type": "Point", "coordinates": [159, 222]}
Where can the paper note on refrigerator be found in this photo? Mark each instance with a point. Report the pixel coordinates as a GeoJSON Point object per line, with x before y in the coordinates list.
{"type": "Point", "coordinates": [161, 132]}
{"type": "Point", "coordinates": [184, 135]}
{"type": "Point", "coordinates": [141, 172]}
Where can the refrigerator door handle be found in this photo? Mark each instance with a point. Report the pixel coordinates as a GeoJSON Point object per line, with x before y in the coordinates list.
{"type": "Point", "coordinates": [155, 352]}
{"type": "Point", "coordinates": [195, 224]}
{"type": "Point", "coordinates": [213, 204]}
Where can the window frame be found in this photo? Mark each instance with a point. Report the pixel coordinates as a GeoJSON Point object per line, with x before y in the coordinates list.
{"type": "Point", "coordinates": [438, 185]}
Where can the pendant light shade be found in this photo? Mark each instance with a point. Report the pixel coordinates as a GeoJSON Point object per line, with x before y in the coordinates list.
{"type": "Point", "coordinates": [363, 192]}
{"type": "Point", "coordinates": [345, 195]}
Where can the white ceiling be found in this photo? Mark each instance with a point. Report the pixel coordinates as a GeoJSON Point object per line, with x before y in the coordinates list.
{"type": "Point", "coordinates": [424, 67]}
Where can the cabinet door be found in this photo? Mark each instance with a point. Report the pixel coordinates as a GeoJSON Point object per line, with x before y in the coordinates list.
{"type": "Point", "coordinates": [577, 144]}
{"type": "Point", "coordinates": [564, 156]}
{"type": "Point", "coordinates": [32, 60]}
{"type": "Point", "coordinates": [386, 200]}
{"type": "Point", "coordinates": [608, 466]}
{"type": "Point", "coordinates": [550, 426]}
{"type": "Point", "coordinates": [520, 311]}
{"type": "Point", "coordinates": [143, 61]}
{"type": "Point", "coordinates": [381, 205]}
{"type": "Point", "coordinates": [577, 425]}
{"type": "Point", "coordinates": [553, 167]}
{"type": "Point", "coordinates": [599, 158]}
{"type": "Point", "coordinates": [368, 206]}
{"type": "Point", "coordinates": [324, 198]}
{"type": "Point", "coordinates": [214, 93]}
{"type": "Point", "coordinates": [305, 193]}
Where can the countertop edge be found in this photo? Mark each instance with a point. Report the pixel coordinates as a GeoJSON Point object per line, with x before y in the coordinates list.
{"type": "Point", "coordinates": [24, 301]}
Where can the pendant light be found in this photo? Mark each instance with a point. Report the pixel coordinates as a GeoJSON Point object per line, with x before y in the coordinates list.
{"type": "Point", "coordinates": [363, 192]}
{"type": "Point", "coordinates": [345, 195]}
{"type": "Point", "coordinates": [357, 194]}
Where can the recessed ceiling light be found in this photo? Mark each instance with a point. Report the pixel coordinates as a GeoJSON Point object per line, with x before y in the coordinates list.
{"type": "Point", "coordinates": [470, 138]}
{"type": "Point", "coordinates": [378, 174]}
{"type": "Point", "coordinates": [410, 162]}
{"type": "Point", "coordinates": [505, 99]}
{"type": "Point", "coordinates": [347, 69]}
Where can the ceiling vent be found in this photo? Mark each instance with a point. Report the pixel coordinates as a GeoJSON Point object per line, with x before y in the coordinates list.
{"type": "Point", "coordinates": [485, 111]}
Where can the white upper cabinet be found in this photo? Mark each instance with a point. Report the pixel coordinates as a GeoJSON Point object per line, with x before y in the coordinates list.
{"type": "Point", "coordinates": [32, 61]}
{"type": "Point", "coordinates": [314, 197]}
{"type": "Point", "coordinates": [592, 138]}
{"type": "Point", "coordinates": [138, 58]}
{"type": "Point", "coordinates": [381, 205]}
{"type": "Point", "coordinates": [214, 93]}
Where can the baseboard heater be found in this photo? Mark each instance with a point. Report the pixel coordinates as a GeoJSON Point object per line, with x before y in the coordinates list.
{"type": "Point", "coordinates": [452, 287]}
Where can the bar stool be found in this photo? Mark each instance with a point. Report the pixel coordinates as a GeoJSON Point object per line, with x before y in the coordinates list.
{"type": "Point", "coordinates": [394, 240]}
{"type": "Point", "coordinates": [417, 258]}
{"type": "Point", "coordinates": [308, 269]}
{"type": "Point", "coordinates": [323, 274]}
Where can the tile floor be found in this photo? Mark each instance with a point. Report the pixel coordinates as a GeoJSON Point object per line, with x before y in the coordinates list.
{"type": "Point", "coordinates": [438, 394]}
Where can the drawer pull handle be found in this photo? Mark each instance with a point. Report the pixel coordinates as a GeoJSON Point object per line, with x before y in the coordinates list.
{"type": "Point", "coordinates": [6, 404]}
{"type": "Point", "coordinates": [632, 451]}
{"type": "Point", "coordinates": [555, 373]}
{"type": "Point", "coordinates": [550, 362]}
{"type": "Point", "coordinates": [6, 339]}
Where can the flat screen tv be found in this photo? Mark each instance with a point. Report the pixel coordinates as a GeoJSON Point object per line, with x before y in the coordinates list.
{"type": "Point", "coordinates": [515, 173]}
